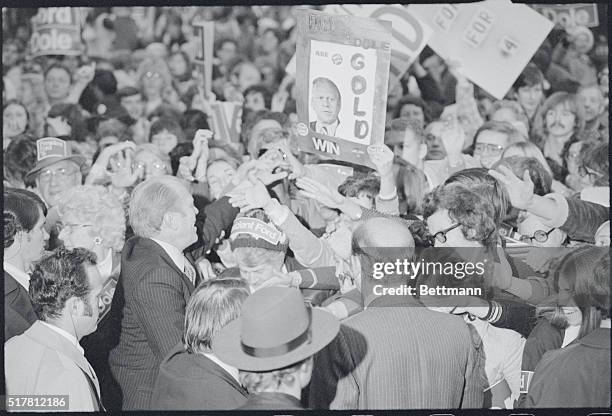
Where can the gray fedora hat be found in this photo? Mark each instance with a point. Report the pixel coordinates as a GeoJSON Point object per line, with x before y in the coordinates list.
{"type": "Point", "coordinates": [275, 330]}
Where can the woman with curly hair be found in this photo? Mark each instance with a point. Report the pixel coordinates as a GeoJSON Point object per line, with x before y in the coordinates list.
{"type": "Point", "coordinates": [93, 218]}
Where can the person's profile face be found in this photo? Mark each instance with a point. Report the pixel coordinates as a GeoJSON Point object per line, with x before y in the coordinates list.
{"type": "Point", "coordinates": [593, 102]}
{"type": "Point", "coordinates": [226, 52]}
{"type": "Point", "coordinates": [186, 229]}
{"type": "Point", "coordinates": [325, 102]}
{"type": "Point", "coordinates": [90, 324]}
{"type": "Point", "coordinates": [36, 240]}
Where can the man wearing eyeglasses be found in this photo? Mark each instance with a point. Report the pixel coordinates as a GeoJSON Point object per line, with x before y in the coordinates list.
{"type": "Point", "coordinates": [56, 169]}
{"type": "Point", "coordinates": [491, 139]}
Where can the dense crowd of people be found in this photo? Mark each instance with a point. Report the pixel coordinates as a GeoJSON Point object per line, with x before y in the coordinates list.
{"type": "Point", "coordinates": [152, 263]}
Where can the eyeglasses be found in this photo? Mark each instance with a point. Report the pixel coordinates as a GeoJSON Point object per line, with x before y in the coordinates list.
{"type": "Point", "coordinates": [62, 225]}
{"type": "Point", "coordinates": [155, 166]}
{"type": "Point", "coordinates": [490, 148]}
{"type": "Point", "coordinates": [151, 74]}
{"type": "Point", "coordinates": [61, 174]}
{"type": "Point", "coordinates": [584, 171]}
{"type": "Point", "coordinates": [540, 236]}
{"type": "Point", "coordinates": [441, 235]}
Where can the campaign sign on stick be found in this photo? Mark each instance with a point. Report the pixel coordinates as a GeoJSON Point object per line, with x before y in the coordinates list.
{"type": "Point", "coordinates": [410, 35]}
{"type": "Point", "coordinates": [56, 31]}
{"type": "Point", "coordinates": [341, 78]}
{"type": "Point", "coordinates": [226, 120]}
{"type": "Point", "coordinates": [492, 41]}
{"type": "Point", "coordinates": [569, 15]}
{"type": "Point", "coordinates": [204, 59]}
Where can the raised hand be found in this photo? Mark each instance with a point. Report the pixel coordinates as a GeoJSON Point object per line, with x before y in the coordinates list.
{"type": "Point", "coordinates": [250, 194]}
{"type": "Point", "coordinates": [452, 136]}
{"type": "Point", "coordinates": [519, 191]}
{"type": "Point", "coordinates": [382, 157]}
{"type": "Point", "coordinates": [320, 193]}
{"type": "Point", "coordinates": [198, 160]}
{"type": "Point", "coordinates": [122, 174]}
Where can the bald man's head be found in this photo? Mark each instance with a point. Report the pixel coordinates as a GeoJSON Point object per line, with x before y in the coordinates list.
{"type": "Point", "coordinates": [383, 232]}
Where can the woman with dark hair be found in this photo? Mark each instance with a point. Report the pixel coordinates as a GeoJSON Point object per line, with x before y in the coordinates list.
{"type": "Point", "coordinates": [66, 121]}
{"type": "Point", "coordinates": [24, 242]}
{"type": "Point", "coordinates": [413, 108]}
{"type": "Point", "coordinates": [19, 159]}
{"type": "Point", "coordinates": [576, 375]}
{"type": "Point", "coordinates": [14, 121]}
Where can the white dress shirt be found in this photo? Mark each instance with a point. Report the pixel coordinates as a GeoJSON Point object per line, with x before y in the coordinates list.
{"type": "Point", "coordinates": [105, 267]}
{"type": "Point", "coordinates": [19, 275]}
{"type": "Point", "coordinates": [175, 254]}
{"type": "Point", "coordinates": [66, 335]}
{"type": "Point", "coordinates": [331, 128]}
{"type": "Point", "coordinates": [233, 371]}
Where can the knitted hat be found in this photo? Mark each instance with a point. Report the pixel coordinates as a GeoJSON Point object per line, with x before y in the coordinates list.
{"type": "Point", "coordinates": [255, 229]}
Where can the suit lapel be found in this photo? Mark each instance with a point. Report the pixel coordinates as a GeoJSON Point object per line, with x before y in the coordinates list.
{"type": "Point", "coordinates": [218, 370]}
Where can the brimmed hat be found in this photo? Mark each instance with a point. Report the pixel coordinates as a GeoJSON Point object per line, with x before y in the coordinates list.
{"type": "Point", "coordinates": [50, 150]}
{"type": "Point", "coordinates": [275, 330]}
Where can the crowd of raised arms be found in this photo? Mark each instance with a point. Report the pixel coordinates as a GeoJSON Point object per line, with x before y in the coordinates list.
{"type": "Point", "coordinates": [152, 263]}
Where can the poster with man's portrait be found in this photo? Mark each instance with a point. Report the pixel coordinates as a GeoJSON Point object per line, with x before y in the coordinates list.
{"type": "Point", "coordinates": [342, 76]}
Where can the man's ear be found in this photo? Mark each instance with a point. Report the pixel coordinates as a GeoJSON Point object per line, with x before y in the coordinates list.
{"type": "Point", "coordinates": [75, 306]}
{"type": "Point", "coordinates": [169, 221]}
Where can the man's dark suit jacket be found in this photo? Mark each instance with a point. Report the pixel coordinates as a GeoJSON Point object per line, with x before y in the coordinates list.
{"type": "Point", "coordinates": [19, 314]}
{"type": "Point", "coordinates": [194, 382]}
{"type": "Point", "coordinates": [151, 296]}
{"type": "Point", "coordinates": [271, 401]}
{"type": "Point", "coordinates": [150, 299]}
{"type": "Point", "coordinates": [398, 355]}
{"type": "Point", "coordinates": [575, 376]}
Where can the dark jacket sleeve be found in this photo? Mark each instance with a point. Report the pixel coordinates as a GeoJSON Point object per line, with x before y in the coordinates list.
{"type": "Point", "coordinates": [429, 89]}
{"type": "Point", "coordinates": [333, 384]}
{"type": "Point", "coordinates": [216, 217]}
{"type": "Point", "coordinates": [160, 305]}
{"type": "Point", "coordinates": [518, 316]}
{"type": "Point", "coordinates": [583, 219]}
{"type": "Point", "coordinates": [543, 338]}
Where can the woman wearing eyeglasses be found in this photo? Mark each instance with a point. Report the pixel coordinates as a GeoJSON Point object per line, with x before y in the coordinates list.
{"type": "Point", "coordinates": [91, 217]}
{"type": "Point", "coordinates": [153, 77]}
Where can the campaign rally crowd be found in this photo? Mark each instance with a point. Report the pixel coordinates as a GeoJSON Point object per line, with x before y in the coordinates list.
{"type": "Point", "coordinates": [153, 262]}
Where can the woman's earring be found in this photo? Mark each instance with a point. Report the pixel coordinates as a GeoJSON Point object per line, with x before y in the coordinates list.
{"type": "Point", "coordinates": [97, 240]}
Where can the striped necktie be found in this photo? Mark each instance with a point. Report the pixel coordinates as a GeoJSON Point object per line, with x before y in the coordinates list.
{"type": "Point", "coordinates": [190, 271]}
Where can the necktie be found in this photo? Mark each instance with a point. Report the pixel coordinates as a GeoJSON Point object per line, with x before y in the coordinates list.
{"type": "Point", "coordinates": [325, 131]}
{"type": "Point", "coordinates": [190, 271]}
